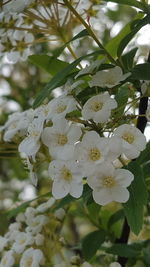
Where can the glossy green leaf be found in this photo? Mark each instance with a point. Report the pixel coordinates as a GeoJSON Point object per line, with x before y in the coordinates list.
{"type": "Point", "coordinates": [145, 155]}
{"type": "Point", "coordinates": [123, 250]}
{"type": "Point", "coordinates": [118, 215]}
{"type": "Point", "coordinates": [91, 243]}
{"type": "Point", "coordinates": [128, 58]}
{"type": "Point", "coordinates": [58, 51]}
{"type": "Point", "coordinates": [133, 208]}
{"type": "Point", "coordinates": [141, 72]}
{"type": "Point", "coordinates": [132, 3]}
{"type": "Point", "coordinates": [140, 23]}
{"type": "Point", "coordinates": [47, 63]}
{"type": "Point", "coordinates": [122, 98]}
{"type": "Point", "coordinates": [59, 79]}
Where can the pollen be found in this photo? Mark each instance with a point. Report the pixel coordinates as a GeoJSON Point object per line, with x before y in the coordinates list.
{"type": "Point", "coordinates": [128, 137]}
{"type": "Point", "coordinates": [66, 174]}
{"type": "Point", "coordinates": [60, 108]}
{"type": "Point", "coordinates": [96, 106]}
{"type": "Point", "coordinates": [94, 154]}
{"type": "Point", "coordinates": [109, 181]}
{"type": "Point", "coordinates": [62, 139]}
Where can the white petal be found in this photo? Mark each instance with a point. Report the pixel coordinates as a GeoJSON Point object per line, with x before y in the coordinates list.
{"type": "Point", "coordinates": [102, 197]}
{"type": "Point", "coordinates": [120, 194]}
{"type": "Point", "coordinates": [60, 189]}
{"type": "Point", "coordinates": [76, 190]}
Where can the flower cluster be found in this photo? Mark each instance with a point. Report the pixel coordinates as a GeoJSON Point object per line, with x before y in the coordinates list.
{"type": "Point", "coordinates": [28, 239]}
{"type": "Point", "coordinates": [81, 149]}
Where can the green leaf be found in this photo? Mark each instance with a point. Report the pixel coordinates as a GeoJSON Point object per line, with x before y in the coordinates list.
{"type": "Point", "coordinates": [146, 170]}
{"type": "Point", "coordinates": [127, 59]}
{"type": "Point", "coordinates": [65, 201]}
{"type": "Point", "coordinates": [91, 243]}
{"type": "Point", "coordinates": [133, 208]}
{"type": "Point", "coordinates": [122, 250]}
{"type": "Point", "coordinates": [113, 44]}
{"type": "Point", "coordinates": [59, 79]}
{"type": "Point", "coordinates": [122, 98]}
{"type": "Point", "coordinates": [145, 155]}
{"type": "Point", "coordinates": [132, 3]}
{"type": "Point", "coordinates": [58, 51]}
{"type": "Point", "coordinates": [118, 215]}
{"type": "Point", "coordinates": [140, 23]}
{"type": "Point", "coordinates": [74, 113]}
{"type": "Point", "coordinates": [48, 63]}
{"type": "Point", "coordinates": [146, 256]}
{"type": "Point", "coordinates": [141, 72]}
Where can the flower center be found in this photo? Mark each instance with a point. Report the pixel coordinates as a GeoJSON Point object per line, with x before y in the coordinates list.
{"type": "Point", "coordinates": [128, 137]}
{"type": "Point", "coordinates": [94, 154]}
{"type": "Point", "coordinates": [28, 262]}
{"type": "Point", "coordinates": [60, 108]}
{"type": "Point", "coordinates": [34, 134]}
{"type": "Point", "coordinates": [62, 139]}
{"type": "Point", "coordinates": [22, 241]}
{"type": "Point", "coordinates": [96, 106]}
{"type": "Point", "coordinates": [66, 174]}
{"type": "Point", "coordinates": [109, 181]}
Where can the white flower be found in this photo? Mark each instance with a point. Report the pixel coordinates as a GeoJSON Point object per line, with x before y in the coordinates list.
{"type": "Point", "coordinates": [99, 108]}
{"type": "Point", "coordinates": [39, 239]}
{"type": "Point", "coordinates": [36, 224]}
{"type": "Point", "coordinates": [60, 106]}
{"type": "Point", "coordinates": [8, 259]}
{"type": "Point", "coordinates": [16, 5]}
{"type": "Point", "coordinates": [32, 258]}
{"type": "Point", "coordinates": [108, 78]}
{"type": "Point", "coordinates": [61, 139]}
{"type": "Point", "coordinates": [133, 141]}
{"type": "Point", "coordinates": [20, 217]}
{"type": "Point", "coordinates": [17, 123]}
{"type": "Point", "coordinates": [30, 213]}
{"type": "Point", "coordinates": [67, 178]}
{"type": "Point", "coordinates": [114, 148]}
{"type": "Point", "coordinates": [21, 241]}
{"type": "Point", "coordinates": [91, 151]}
{"type": "Point", "coordinates": [60, 214]}
{"type": "Point", "coordinates": [109, 184]}
{"type": "Point", "coordinates": [31, 144]}
{"type": "Point", "coordinates": [148, 113]}
{"type": "Point", "coordinates": [3, 243]}
{"type": "Point", "coordinates": [115, 264]}
{"type": "Point", "coordinates": [46, 205]}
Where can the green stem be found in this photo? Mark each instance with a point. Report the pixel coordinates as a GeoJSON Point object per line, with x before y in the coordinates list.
{"type": "Point", "coordinates": [91, 33]}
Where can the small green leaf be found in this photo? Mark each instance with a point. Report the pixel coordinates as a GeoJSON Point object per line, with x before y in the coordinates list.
{"type": "Point", "coordinates": [59, 79]}
{"type": "Point", "coordinates": [146, 170]}
{"type": "Point", "coordinates": [113, 44]}
{"type": "Point", "coordinates": [133, 208]}
{"type": "Point", "coordinates": [140, 23]}
{"type": "Point", "coordinates": [91, 243]}
{"type": "Point", "coordinates": [132, 3]}
{"type": "Point", "coordinates": [65, 201]}
{"type": "Point", "coordinates": [141, 72]}
{"type": "Point", "coordinates": [122, 98]}
{"type": "Point", "coordinates": [118, 215]}
{"type": "Point", "coordinates": [58, 51]}
{"type": "Point", "coordinates": [49, 64]}
{"type": "Point", "coordinates": [122, 250]}
{"type": "Point", "coordinates": [145, 155]}
{"type": "Point", "coordinates": [127, 59]}
{"type": "Point", "coordinates": [74, 113]}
